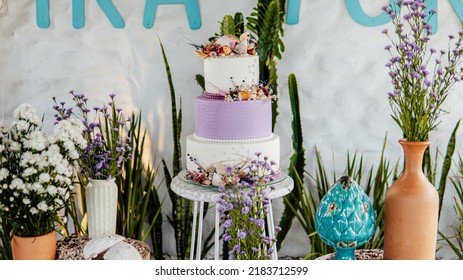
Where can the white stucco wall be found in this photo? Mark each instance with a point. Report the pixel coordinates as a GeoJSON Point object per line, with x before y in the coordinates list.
{"type": "Point", "coordinates": [339, 65]}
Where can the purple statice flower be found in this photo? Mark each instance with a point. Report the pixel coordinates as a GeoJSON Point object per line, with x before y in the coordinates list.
{"type": "Point", "coordinates": [259, 222]}
{"type": "Point", "coordinates": [243, 209]}
{"type": "Point", "coordinates": [408, 67]}
{"type": "Point", "coordinates": [107, 149]}
{"type": "Point", "coordinates": [415, 75]}
{"type": "Point", "coordinates": [265, 239]}
{"type": "Point", "coordinates": [226, 237]}
{"type": "Point", "coordinates": [227, 223]}
{"type": "Point", "coordinates": [229, 169]}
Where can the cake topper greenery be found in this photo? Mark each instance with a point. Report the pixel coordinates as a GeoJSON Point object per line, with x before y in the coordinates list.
{"type": "Point", "coordinates": [421, 76]}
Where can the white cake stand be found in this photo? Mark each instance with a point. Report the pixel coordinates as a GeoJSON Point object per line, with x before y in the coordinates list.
{"type": "Point", "coordinates": [200, 194]}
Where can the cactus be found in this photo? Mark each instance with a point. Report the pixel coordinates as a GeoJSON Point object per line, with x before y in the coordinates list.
{"type": "Point", "coordinates": [297, 162]}
{"type": "Point", "coordinates": [227, 25]}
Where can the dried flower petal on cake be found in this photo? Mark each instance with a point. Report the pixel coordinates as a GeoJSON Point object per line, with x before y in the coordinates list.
{"type": "Point", "coordinates": [223, 175]}
{"type": "Point", "coordinates": [243, 92]}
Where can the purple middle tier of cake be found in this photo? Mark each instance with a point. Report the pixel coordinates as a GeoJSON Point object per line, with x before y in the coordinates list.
{"type": "Point", "coordinates": [220, 120]}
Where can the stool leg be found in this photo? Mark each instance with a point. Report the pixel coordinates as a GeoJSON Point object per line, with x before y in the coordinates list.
{"type": "Point", "coordinates": [200, 230]}
{"type": "Point", "coordinates": [217, 233]}
{"type": "Point", "coordinates": [193, 233]}
{"type": "Point", "coordinates": [271, 229]}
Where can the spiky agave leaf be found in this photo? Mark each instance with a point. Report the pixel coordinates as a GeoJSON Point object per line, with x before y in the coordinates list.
{"type": "Point", "coordinates": [446, 166]}
{"type": "Point", "coordinates": [181, 218]}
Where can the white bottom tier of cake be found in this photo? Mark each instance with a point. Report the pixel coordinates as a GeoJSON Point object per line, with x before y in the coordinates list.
{"type": "Point", "coordinates": [208, 152]}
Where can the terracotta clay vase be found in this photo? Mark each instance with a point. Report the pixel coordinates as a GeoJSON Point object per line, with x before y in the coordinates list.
{"type": "Point", "coordinates": [34, 248]}
{"type": "Point", "coordinates": [411, 213]}
{"type": "Point", "coordinates": [101, 200]}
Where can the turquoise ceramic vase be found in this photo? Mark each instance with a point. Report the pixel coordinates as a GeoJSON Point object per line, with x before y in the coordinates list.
{"type": "Point", "coordinates": [345, 218]}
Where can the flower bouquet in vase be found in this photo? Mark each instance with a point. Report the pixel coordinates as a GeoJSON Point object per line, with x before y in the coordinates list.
{"type": "Point", "coordinates": [36, 180]}
{"type": "Point", "coordinates": [106, 151]}
{"type": "Point", "coordinates": [422, 78]}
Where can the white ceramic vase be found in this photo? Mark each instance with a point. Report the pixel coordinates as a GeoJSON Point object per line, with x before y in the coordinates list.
{"type": "Point", "coordinates": [101, 199]}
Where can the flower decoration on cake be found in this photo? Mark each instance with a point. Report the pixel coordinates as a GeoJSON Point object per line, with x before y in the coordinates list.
{"type": "Point", "coordinates": [260, 91]}
{"type": "Point", "coordinates": [228, 45]}
{"type": "Point", "coordinates": [244, 91]}
{"type": "Point", "coordinates": [226, 175]}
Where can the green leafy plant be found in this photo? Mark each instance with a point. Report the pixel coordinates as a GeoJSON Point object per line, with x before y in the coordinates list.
{"type": "Point", "coordinates": [455, 241]}
{"type": "Point", "coordinates": [446, 167]}
{"type": "Point", "coordinates": [266, 24]}
{"type": "Point", "coordinates": [139, 205]}
{"type": "Point", "coordinates": [5, 245]}
{"type": "Point", "coordinates": [297, 162]}
{"type": "Point", "coordinates": [181, 219]}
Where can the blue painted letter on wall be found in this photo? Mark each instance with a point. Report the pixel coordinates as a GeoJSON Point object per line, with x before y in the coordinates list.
{"type": "Point", "coordinates": [191, 6]}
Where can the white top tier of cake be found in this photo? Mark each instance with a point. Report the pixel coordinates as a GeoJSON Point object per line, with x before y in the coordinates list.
{"type": "Point", "coordinates": [224, 72]}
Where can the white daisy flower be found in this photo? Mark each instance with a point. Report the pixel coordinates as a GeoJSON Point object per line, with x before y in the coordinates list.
{"type": "Point", "coordinates": [44, 178]}
{"type": "Point", "coordinates": [42, 206]}
{"type": "Point", "coordinates": [4, 173]}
